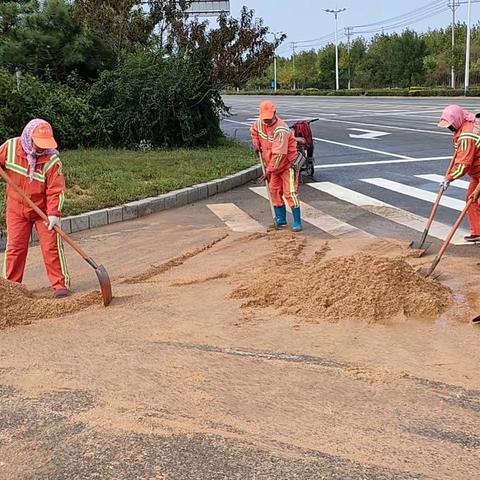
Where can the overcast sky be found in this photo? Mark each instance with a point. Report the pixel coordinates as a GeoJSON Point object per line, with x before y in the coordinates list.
{"type": "Point", "coordinates": [306, 20]}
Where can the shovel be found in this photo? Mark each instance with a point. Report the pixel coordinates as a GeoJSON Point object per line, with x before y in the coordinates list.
{"type": "Point", "coordinates": [268, 193]}
{"type": "Point", "coordinates": [445, 245]}
{"type": "Point", "coordinates": [103, 278]}
{"type": "Point", "coordinates": [422, 244]}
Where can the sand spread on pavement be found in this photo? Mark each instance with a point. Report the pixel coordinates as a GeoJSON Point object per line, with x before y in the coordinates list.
{"type": "Point", "coordinates": [360, 287]}
{"type": "Point", "coordinates": [19, 307]}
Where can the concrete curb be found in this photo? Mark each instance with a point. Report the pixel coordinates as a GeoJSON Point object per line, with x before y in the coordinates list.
{"type": "Point", "coordinates": [147, 206]}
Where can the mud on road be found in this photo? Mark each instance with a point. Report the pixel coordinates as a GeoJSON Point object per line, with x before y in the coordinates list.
{"type": "Point", "coordinates": [196, 371]}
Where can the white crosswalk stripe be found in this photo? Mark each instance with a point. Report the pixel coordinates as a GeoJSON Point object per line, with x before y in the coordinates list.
{"type": "Point", "coordinates": [390, 212]}
{"type": "Point", "coordinates": [438, 179]}
{"type": "Point", "coordinates": [322, 220]}
{"type": "Point", "coordinates": [240, 221]}
{"type": "Point", "coordinates": [418, 193]}
{"type": "Point", "coordinates": [235, 218]}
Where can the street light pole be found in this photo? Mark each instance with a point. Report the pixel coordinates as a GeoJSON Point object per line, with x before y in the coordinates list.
{"type": "Point", "coordinates": [275, 72]}
{"type": "Point", "coordinates": [275, 62]}
{"type": "Point", "coordinates": [293, 64]}
{"type": "Point", "coordinates": [454, 4]}
{"type": "Point", "coordinates": [349, 32]}
{"type": "Point", "coordinates": [467, 50]}
{"type": "Point", "coordinates": [335, 13]}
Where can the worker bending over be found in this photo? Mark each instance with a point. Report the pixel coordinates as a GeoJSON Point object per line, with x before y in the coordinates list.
{"type": "Point", "coordinates": [466, 160]}
{"type": "Point", "coordinates": [276, 144]}
{"type": "Point", "coordinates": [32, 163]}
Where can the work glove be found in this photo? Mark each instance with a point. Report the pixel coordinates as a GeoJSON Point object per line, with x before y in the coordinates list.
{"type": "Point", "coordinates": [445, 184]}
{"type": "Point", "coordinates": [475, 196]}
{"type": "Point", "coordinates": [258, 150]}
{"type": "Point", "coordinates": [268, 175]}
{"type": "Point", "coordinates": [52, 222]}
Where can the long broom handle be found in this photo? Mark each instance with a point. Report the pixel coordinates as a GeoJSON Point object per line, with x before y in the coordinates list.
{"type": "Point", "coordinates": [268, 187]}
{"type": "Point", "coordinates": [44, 217]}
{"type": "Point", "coordinates": [447, 241]}
{"type": "Point", "coordinates": [440, 193]}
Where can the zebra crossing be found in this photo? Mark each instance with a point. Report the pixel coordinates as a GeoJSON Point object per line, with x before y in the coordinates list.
{"type": "Point", "coordinates": [326, 221]}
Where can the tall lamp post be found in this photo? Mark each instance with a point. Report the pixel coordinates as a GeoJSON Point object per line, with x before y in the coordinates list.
{"type": "Point", "coordinates": [275, 60]}
{"type": "Point", "coordinates": [335, 13]}
{"type": "Point", "coordinates": [467, 49]}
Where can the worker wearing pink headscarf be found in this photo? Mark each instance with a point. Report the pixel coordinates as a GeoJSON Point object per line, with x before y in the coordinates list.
{"type": "Point", "coordinates": [32, 163]}
{"type": "Point", "coordinates": [466, 161]}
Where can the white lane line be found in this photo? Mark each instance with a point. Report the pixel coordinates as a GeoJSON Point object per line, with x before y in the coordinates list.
{"type": "Point", "coordinates": [380, 152]}
{"type": "Point", "coordinates": [235, 218]}
{"type": "Point", "coordinates": [391, 127]}
{"type": "Point", "coordinates": [390, 212]}
{"type": "Point", "coordinates": [235, 121]}
{"type": "Point", "coordinates": [378, 162]}
{"type": "Point", "coordinates": [322, 220]}
{"type": "Point", "coordinates": [439, 178]}
{"type": "Point", "coordinates": [418, 193]}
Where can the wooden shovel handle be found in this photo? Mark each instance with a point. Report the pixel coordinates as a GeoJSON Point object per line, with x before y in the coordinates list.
{"type": "Point", "coordinates": [43, 215]}
{"type": "Point", "coordinates": [267, 185]}
{"type": "Point", "coordinates": [455, 228]}
{"type": "Point", "coordinates": [436, 204]}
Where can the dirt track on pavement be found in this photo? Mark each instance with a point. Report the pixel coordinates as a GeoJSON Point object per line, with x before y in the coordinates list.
{"type": "Point", "coordinates": [178, 380]}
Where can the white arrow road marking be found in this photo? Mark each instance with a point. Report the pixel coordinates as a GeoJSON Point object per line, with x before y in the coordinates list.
{"type": "Point", "coordinates": [368, 134]}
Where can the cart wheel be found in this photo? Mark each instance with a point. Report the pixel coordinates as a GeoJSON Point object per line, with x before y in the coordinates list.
{"type": "Point", "coordinates": [310, 167]}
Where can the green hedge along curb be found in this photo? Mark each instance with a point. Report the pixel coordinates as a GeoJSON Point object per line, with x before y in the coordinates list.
{"type": "Point", "coordinates": [147, 206]}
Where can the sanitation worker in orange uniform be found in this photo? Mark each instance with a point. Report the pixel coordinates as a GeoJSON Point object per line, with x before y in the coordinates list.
{"type": "Point", "coordinates": [32, 162]}
{"type": "Point", "coordinates": [466, 140]}
{"type": "Point", "coordinates": [272, 138]}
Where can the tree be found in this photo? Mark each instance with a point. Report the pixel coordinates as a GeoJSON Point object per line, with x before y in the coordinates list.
{"type": "Point", "coordinates": [44, 39]}
{"type": "Point", "coordinates": [126, 25]}
{"type": "Point", "coordinates": [232, 53]}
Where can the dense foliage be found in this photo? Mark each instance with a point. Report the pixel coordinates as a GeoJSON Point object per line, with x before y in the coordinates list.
{"type": "Point", "coordinates": [123, 73]}
{"type": "Point", "coordinates": [398, 60]}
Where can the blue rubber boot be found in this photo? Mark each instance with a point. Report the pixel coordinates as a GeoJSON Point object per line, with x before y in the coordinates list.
{"type": "Point", "coordinates": [281, 216]}
{"type": "Point", "coordinates": [297, 221]}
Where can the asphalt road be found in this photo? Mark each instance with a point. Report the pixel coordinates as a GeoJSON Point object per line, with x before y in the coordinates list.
{"type": "Point", "coordinates": [365, 144]}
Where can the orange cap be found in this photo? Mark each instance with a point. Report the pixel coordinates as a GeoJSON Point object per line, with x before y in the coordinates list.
{"type": "Point", "coordinates": [43, 137]}
{"type": "Point", "coordinates": [267, 110]}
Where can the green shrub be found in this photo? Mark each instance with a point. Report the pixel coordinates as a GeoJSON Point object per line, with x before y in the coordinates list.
{"type": "Point", "coordinates": [70, 115]}
{"type": "Point", "coordinates": [387, 92]}
{"type": "Point", "coordinates": [354, 92]}
{"type": "Point", "coordinates": [157, 102]}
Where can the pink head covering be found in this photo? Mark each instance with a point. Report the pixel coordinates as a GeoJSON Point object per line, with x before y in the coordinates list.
{"type": "Point", "coordinates": [28, 146]}
{"type": "Point", "coordinates": [456, 116]}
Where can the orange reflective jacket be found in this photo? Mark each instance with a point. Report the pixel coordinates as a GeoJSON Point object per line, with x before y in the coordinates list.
{"type": "Point", "coordinates": [467, 152]}
{"type": "Point", "coordinates": [47, 187]}
{"type": "Point", "coordinates": [277, 143]}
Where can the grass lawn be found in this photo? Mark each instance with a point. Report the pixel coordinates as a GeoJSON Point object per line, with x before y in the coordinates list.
{"type": "Point", "coordinates": [105, 178]}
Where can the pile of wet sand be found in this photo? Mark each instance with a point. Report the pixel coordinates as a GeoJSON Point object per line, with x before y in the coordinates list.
{"type": "Point", "coordinates": [19, 307]}
{"type": "Point", "coordinates": [357, 287]}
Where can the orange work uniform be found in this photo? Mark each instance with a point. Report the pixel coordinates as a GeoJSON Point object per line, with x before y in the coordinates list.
{"type": "Point", "coordinates": [46, 190]}
{"type": "Point", "coordinates": [466, 161]}
{"type": "Point", "coordinates": [279, 150]}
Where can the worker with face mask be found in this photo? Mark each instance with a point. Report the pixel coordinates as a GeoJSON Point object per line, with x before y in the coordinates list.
{"type": "Point", "coordinates": [32, 163]}
{"type": "Point", "coordinates": [466, 161]}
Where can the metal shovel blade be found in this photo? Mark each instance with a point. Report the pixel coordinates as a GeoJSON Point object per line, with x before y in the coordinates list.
{"type": "Point", "coordinates": [421, 246]}
{"type": "Point", "coordinates": [476, 320]}
{"type": "Point", "coordinates": [105, 285]}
